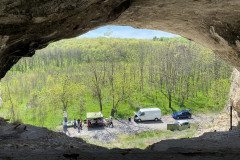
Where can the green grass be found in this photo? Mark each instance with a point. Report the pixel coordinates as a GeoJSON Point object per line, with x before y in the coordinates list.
{"type": "Point", "coordinates": [201, 104]}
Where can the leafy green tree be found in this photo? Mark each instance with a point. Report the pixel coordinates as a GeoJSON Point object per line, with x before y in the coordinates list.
{"type": "Point", "coordinates": [65, 93]}
{"type": "Point", "coordinates": [78, 75]}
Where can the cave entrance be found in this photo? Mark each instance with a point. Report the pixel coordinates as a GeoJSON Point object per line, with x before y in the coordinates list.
{"type": "Point", "coordinates": [141, 69]}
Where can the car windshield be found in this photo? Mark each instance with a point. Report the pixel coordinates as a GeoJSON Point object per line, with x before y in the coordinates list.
{"type": "Point", "coordinates": [180, 112]}
{"type": "Point", "coordinates": [139, 113]}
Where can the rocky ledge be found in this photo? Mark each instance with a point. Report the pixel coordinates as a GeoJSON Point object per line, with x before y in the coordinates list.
{"type": "Point", "coordinates": [20, 141]}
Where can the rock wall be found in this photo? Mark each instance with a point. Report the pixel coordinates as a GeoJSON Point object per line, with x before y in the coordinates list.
{"type": "Point", "coordinates": [234, 99]}
{"type": "Point", "coordinates": [0, 96]}
{"type": "Point", "coordinates": [211, 23]}
{"type": "Point", "coordinates": [26, 26]}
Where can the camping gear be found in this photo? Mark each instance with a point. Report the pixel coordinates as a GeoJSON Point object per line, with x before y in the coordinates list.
{"type": "Point", "coordinates": [95, 119]}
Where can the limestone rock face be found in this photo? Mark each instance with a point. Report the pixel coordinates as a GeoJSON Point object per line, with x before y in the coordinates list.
{"type": "Point", "coordinates": [0, 97]}
{"type": "Point", "coordinates": [234, 99]}
{"type": "Point", "coordinates": [211, 23]}
{"type": "Point", "coordinates": [26, 26]}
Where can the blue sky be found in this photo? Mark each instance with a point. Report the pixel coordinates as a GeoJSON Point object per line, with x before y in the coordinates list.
{"type": "Point", "coordinates": [125, 32]}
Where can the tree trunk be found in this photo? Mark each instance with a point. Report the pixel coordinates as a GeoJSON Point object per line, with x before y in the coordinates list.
{"type": "Point", "coordinates": [12, 106]}
{"type": "Point", "coordinates": [170, 100]}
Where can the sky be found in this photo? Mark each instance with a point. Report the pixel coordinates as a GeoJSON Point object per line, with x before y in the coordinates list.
{"type": "Point", "coordinates": [125, 32]}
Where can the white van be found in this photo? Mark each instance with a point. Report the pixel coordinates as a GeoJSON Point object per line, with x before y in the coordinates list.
{"type": "Point", "coordinates": [148, 114]}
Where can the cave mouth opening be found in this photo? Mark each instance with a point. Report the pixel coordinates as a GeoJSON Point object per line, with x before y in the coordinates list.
{"type": "Point", "coordinates": [97, 74]}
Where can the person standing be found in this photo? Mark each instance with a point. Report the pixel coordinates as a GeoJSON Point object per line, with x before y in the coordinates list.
{"type": "Point", "coordinates": [129, 119]}
{"type": "Point", "coordinates": [79, 127]}
{"type": "Point", "coordinates": [74, 123]}
{"type": "Point", "coordinates": [113, 112]}
{"type": "Point", "coordinates": [88, 123]}
{"type": "Point", "coordinates": [65, 127]}
{"type": "Point", "coordinates": [111, 122]}
{"type": "Point", "coordinates": [80, 124]}
{"type": "Point", "coordinates": [65, 115]}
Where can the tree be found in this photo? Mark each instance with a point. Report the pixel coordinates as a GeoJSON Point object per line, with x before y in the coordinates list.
{"type": "Point", "coordinates": [97, 83]}
{"type": "Point", "coordinates": [37, 102]}
{"type": "Point", "coordinates": [170, 73]}
{"type": "Point", "coordinates": [11, 101]}
{"type": "Point", "coordinates": [65, 92]}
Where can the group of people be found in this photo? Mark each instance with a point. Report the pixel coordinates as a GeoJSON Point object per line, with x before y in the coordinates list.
{"type": "Point", "coordinates": [77, 124]}
{"type": "Point", "coordinates": [100, 122]}
{"type": "Point", "coordinates": [96, 122]}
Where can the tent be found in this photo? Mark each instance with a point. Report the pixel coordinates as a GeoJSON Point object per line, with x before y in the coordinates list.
{"type": "Point", "coordinates": [94, 115]}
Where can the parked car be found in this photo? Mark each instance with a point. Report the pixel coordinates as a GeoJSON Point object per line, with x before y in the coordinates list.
{"type": "Point", "coordinates": [178, 125]}
{"type": "Point", "coordinates": [182, 123]}
{"type": "Point", "coordinates": [182, 114]}
{"type": "Point", "coordinates": [147, 114]}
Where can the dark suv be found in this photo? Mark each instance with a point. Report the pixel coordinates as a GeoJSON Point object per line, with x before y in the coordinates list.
{"type": "Point", "coordinates": [182, 115]}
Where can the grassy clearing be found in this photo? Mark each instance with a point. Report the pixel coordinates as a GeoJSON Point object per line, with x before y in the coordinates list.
{"type": "Point", "coordinates": [53, 116]}
{"type": "Point", "coordinates": [144, 139]}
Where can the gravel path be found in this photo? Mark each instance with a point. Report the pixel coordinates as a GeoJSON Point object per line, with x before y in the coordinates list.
{"type": "Point", "coordinates": [123, 126]}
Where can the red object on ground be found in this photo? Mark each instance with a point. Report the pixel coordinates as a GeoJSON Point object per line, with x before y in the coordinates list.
{"type": "Point", "coordinates": [88, 123]}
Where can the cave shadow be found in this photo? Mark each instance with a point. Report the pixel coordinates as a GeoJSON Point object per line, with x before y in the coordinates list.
{"type": "Point", "coordinates": [149, 122]}
{"type": "Point", "coordinates": [184, 119]}
{"type": "Point", "coordinates": [96, 128]}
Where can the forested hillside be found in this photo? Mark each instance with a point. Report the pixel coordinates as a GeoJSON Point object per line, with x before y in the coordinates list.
{"type": "Point", "coordinates": [84, 75]}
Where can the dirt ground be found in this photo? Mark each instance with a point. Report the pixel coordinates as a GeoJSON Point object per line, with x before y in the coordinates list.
{"type": "Point", "coordinates": [107, 134]}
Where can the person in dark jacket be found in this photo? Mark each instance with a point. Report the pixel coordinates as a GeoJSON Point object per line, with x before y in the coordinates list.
{"type": "Point", "coordinates": [74, 123]}
{"type": "Point", "coordinates": [79, 128]}
{"type": "Point", "coordinates": [129, 119]}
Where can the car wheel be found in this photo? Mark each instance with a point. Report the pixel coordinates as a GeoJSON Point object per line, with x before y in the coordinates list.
{"type": "Point", "coordinates": [189, 117]}
{"type": "Point", "coordinates": [139, 120]}
{"type": "Point", "coordinates": [156, 119]}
